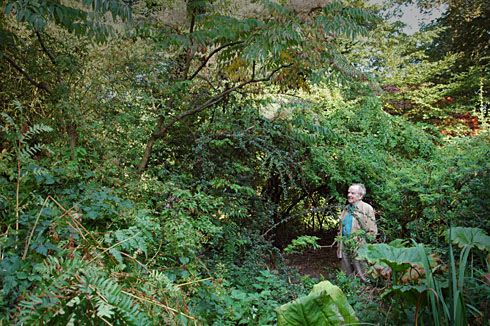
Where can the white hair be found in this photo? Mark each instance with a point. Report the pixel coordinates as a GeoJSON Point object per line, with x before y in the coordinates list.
{"type": "Point", "coordinates": [362, 188]}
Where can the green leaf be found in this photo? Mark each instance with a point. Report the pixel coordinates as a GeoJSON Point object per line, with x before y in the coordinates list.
{"type": "Point", "coordinates": [41, 249]}
{"type": "Point", "coordinates": [104, 309]}
{"type": "Point", "coordinates": [470, 237]}
{"type": "Point", "coordinates": [398, 259]}
{"type": "Point", "coordinates": [339, 298]}
{"type": "Point", "coordinates": [32, 278]}
{"type": "Point", "coordinates": [411, 293]}
{"type": "Point", "coordinates": [92, 214]}
{"type": "Point", "coordinates": [325, 305]}
{"type": "Point", "coordinates": [48, 179]}
{"type": "Point", "coordinates": [8, 8]}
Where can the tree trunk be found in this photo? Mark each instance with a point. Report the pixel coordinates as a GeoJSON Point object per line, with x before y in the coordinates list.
{"type": "Point", "coordinates": [149, 146]}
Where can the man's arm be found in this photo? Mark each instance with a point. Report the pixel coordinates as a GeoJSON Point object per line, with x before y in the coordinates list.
{"type": "Point", "coordinates": [372, 227]}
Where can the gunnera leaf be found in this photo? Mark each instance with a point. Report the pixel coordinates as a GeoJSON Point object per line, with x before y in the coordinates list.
{"type": "Point", "coordinates": [398, 259]}
{"type": "Point", "coordinates": [326, 305]}
{"type": "Point", "coordinates": [470, 237]}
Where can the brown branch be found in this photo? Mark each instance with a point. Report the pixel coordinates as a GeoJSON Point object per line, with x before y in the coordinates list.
{"type": "Point", "coordinates": [211, 55]}
{"type": "Point", "coordinates": [209, 82]}
{"type": "Point", "coordinates": [40, 85]}
{"type": "Point", "coordinates": [160, 131]}
{"type": "Point", "coordinates": [273, 72]}
{"type": "Point", "coordinates": [43, 46]}
{"type": "Point", "coordinates": [50, 55]}
{"type": "Point", "coordinates": [300, 198]}
{"type": "Point", "coordinates": [217, 99]}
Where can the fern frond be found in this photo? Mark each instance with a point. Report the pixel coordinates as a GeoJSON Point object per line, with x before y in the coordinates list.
{"type": "Point", "coordinates": [35, 130]}
{"type": "Point", "coordinates": [30, 150]}
{"type": "Point", "coordinates": [71, 290]}
{"type": "Point", "coordinates": [10, 121]}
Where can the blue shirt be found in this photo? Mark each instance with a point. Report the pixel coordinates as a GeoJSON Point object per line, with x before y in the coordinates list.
{"type": "Point", "coordinates": [347, 222]}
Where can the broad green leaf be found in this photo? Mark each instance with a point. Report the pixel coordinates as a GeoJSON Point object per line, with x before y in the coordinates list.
{"type": "Point", "coordinates": [470, 237]}
{"type": "Point", "coordinates": [398, 259]}
{"type": "Point", "coordinates": [411, 293]}
{"type": "Point", "coordinates": [325, 305]}
{"type": "Point", "coordinates": [339, 298]}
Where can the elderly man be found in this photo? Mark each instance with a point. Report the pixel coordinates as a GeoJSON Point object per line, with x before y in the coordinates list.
{"type": "Point", "coordinates": [357, 216]}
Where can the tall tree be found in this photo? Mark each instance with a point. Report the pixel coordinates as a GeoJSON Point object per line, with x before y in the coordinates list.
{"type": "Point", "coordinates": [221, 53]}
{"type": "Point", "coordinates": [466, 32]}
{"type": "Point", "coordinates": [32, 48]}
{"type": "Point", "coordinates": [424, 76]}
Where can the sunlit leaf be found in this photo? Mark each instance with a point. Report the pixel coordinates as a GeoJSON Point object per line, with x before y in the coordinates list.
{"type": "Point", "coordinates": [326, 305]}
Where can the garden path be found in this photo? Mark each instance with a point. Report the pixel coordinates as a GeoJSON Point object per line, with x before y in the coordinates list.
{"type": "Point", "coordinates": [316, 263]}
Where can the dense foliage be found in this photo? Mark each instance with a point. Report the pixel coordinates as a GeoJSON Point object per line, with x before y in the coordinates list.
{"type": "Point", "coordinates": [157, 157]}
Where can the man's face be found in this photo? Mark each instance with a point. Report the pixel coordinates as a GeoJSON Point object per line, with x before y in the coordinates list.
{"type": "Point", "coordinates": [354, 195]}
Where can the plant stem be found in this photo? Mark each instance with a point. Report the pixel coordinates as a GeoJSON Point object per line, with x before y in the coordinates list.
{"type": "Point", "coordinates": [33, 228]}
{"type": "Point", "coordinates": [17, 195]}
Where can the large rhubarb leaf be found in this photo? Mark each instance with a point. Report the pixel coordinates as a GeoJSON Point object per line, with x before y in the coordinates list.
{"type": "Point", "coordinates": [470, 237]}
{"type": "Point", "coordinates": [326, 305]}
{"type": "Point", "coordinates": [398, 259]}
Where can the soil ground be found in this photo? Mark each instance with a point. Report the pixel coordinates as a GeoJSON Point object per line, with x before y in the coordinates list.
{"type": "Point", "coordinates": [316, 263]}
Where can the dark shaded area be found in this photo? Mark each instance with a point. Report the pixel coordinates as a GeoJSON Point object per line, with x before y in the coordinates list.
{"type": "Point", "coordinates": [317, 263]}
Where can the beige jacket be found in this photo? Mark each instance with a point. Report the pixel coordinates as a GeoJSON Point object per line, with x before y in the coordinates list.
{"type": "Point", "coordinates": [365, 215]}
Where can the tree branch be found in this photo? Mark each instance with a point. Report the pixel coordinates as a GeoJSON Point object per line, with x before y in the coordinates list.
{"type": "Point", "coordinates": [208, 81]}
{"type": "Point", "coordinates": [51, 57]}
{"type": "Point", "coordinates": [40, 85]}
{"type": "Point", "coordinates": [204, 63]}
{"type": "Point", "coordinates": [44, 48]}
{"type": "Point", "coordinates": [300, 198]}
{"type": "Point", "coordinates": [217, 99]}
{"type": "Point", "coordinates": [162, 129]}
